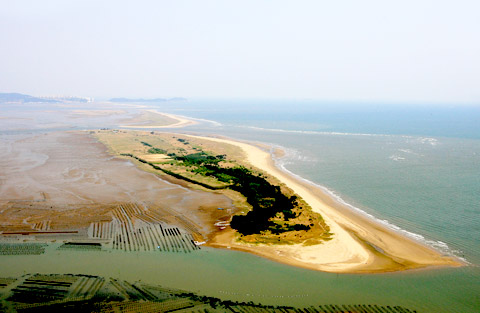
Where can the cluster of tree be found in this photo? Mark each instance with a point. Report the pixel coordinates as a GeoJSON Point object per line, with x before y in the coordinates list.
{"type": "Point", "coordinates": [198, 160]}
{"type": "Point", "coordinates": [156, 151]}
{"type": "Point", "coordinates": [267, 200]}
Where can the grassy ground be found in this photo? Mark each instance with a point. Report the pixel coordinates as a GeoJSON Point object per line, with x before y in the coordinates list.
{"type": "Point", "coordinates": [212, 166]}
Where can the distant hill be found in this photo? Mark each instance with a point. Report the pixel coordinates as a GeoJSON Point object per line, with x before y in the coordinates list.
{"type": "Point", "coordinates": [21, 98]}
{"type": "Point", "coordinates": [127, 100]}
{"type": "Point", "coordinates": [18, 97]}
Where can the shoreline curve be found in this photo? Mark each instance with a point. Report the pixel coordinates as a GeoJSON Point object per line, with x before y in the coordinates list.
{"type": "Point", "coordinates": [180, 122]}
{"type": "Point", "coordinates": [359, 245]}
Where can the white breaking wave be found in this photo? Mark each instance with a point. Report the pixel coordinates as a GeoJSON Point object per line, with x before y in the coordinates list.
{"type": "Point", "coordinates": [396, 158]}
{"type": "Point", "coordinates": [424, 140]}
{"type": "Point", "coordinates": [408, 151]}
{"type": "Point", "coordinates": [314, 132]}
{"type": "Point", "coordinates": [428, 140]}
{"type": "Point", "coordinates": [438, 245]}
{"type": "Point", "coordinates": [291, 154]}
{"type": "Point", "coordinates": [214, 123]}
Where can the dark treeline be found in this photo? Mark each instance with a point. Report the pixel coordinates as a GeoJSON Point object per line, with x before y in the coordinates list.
{"type": "Point", "coordinates": [266, 200]}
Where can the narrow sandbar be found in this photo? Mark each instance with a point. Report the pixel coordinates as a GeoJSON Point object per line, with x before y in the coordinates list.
{"type": "Point", "coordinates": [173, 121]}
{"type": "Point", "coordinates": [359, 244]}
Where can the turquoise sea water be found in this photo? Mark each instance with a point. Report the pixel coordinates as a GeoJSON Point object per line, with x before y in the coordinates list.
{"type": "Point", "coordinates": [424, 183]}
{"type": "Point", "coordinates": [415, 168]}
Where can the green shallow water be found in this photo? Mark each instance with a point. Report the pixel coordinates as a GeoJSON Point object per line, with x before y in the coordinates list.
{"type": "Point", "coordinates": [244, 277]}
{"type": "Point", "coordinates": [426, 187]}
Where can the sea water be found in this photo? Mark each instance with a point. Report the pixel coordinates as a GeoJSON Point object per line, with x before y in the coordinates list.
{"type": "Point", "coordinates": [415, 169]}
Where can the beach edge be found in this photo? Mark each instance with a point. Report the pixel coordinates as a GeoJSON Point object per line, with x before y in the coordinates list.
{"type": "Point", "coordinates": [359, 245]}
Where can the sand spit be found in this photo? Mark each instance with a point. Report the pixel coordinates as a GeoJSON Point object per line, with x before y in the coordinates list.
{"type": "Point", "coordinates": [95, 113]}
{"type": "Point", "coordinates": [61, 173]}
{"type": "Point", "coordinates": [178, 122]}
{"type": "Point", "coordinates": [359, 244]}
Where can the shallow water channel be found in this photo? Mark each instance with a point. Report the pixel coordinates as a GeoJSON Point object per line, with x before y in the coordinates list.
{"type": "Point", "coordinates": [240, 276]}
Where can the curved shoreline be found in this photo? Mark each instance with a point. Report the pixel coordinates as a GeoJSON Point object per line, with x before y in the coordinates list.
{"type": "Point", "coordinates": [359, 244]}
{"type": "Point", "coordinates": [181, 122]}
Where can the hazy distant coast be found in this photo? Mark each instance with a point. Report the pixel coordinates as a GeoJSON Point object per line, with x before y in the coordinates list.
{"type": "Point", "coordinates": [146, 100]}
{"type": "Point", "coordinates": [22, 98]}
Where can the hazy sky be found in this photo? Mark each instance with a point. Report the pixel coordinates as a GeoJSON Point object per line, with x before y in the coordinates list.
{"type": "Point", "coordinates": [412, 51]}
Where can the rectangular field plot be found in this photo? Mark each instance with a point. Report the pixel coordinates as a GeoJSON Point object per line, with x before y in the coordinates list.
{"type": "Point", "coordinates": [21, 248]}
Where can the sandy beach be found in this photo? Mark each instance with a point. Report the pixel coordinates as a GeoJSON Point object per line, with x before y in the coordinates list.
{"type": "Point", "coordinates": [359, 244]}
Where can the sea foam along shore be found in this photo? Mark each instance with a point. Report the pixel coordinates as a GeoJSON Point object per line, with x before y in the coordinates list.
{"type": "Point", "coordinates": [438, 245]}
{"type": "Point", "coordinates": [359, 244]}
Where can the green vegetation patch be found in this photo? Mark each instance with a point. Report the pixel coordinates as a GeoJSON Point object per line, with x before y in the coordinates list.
{"type": "Point", "coordinates": [276, 214]}
{"type": "Point", "coordinates": [156, 151]}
